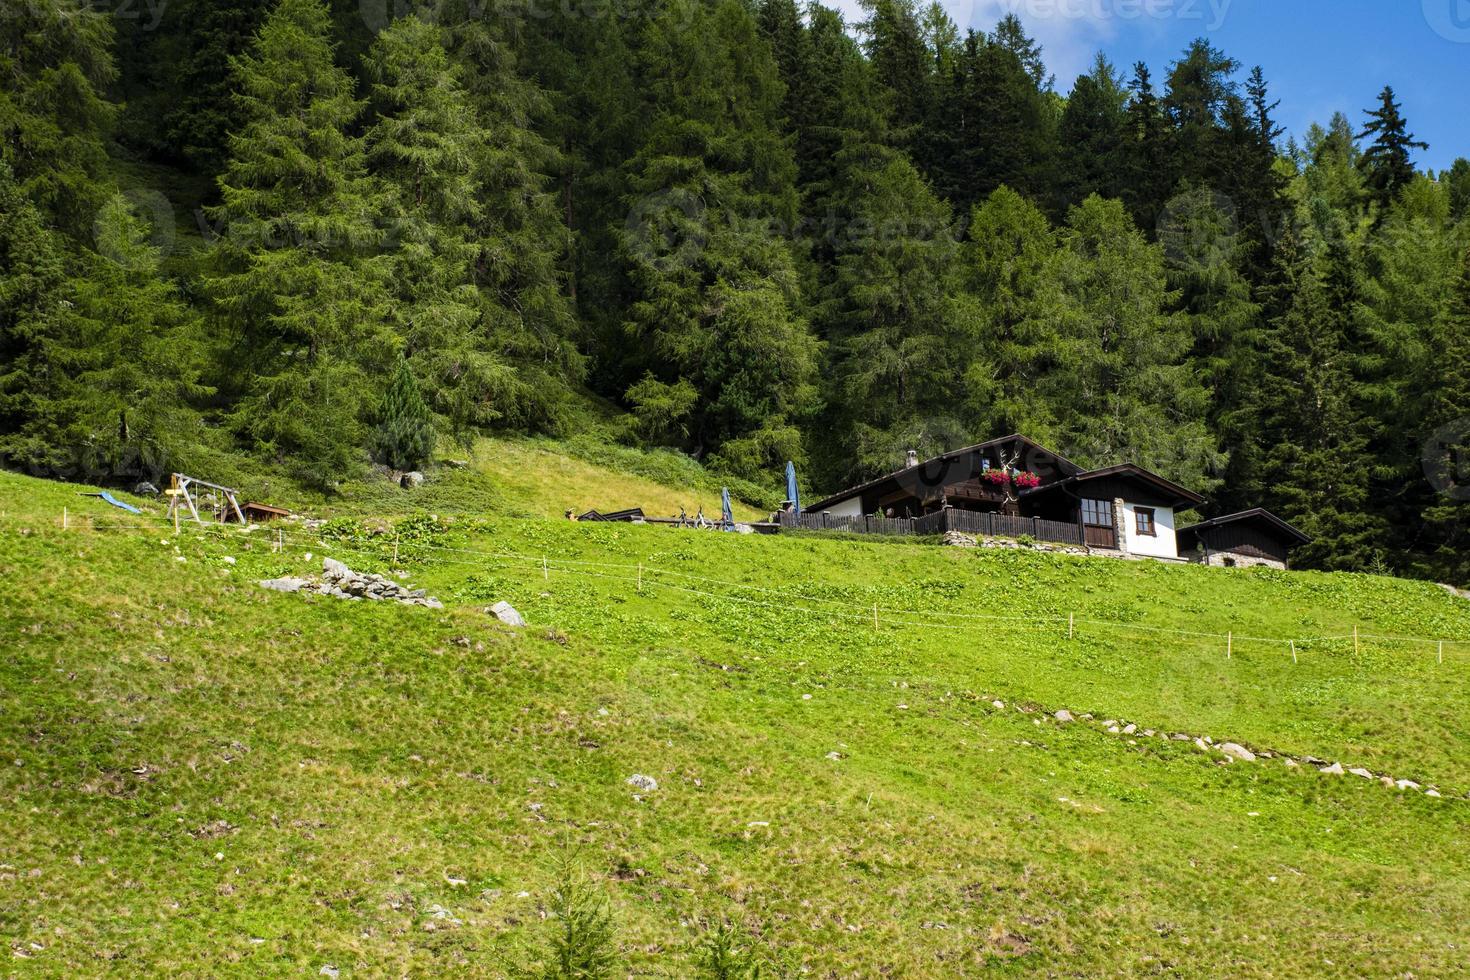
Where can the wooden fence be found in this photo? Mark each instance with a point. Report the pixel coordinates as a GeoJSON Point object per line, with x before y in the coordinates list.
{"type": "Point", "coordinates": [964, 521]}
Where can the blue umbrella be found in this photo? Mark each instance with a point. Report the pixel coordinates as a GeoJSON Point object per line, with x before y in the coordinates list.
{"type": "Point", "coordinates": [725, 512]}
{"type": "Point", "coordinates": [791, 492]}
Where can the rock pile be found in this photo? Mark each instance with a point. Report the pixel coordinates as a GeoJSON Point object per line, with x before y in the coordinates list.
{"type": "Point", "coordinates": [1224, 752]}
{"type": "Point", "coordinates": [341, 582]}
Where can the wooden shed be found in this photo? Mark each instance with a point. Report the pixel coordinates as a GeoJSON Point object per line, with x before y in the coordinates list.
{"type": "Point", "coordinates": [1251, 537]}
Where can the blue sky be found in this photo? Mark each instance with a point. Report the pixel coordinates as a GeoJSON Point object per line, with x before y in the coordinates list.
{"type": "Point", "coordinates": [1320, 56]}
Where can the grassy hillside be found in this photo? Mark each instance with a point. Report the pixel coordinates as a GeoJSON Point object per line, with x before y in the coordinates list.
{"type": "Point", "coordinates": [204, 777]}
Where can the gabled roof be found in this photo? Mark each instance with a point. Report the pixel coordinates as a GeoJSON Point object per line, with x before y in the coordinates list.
{"type": "Point", "coordinates": [1130, 471]}
{"type": "Point", "coordinates": [1065, 465]}
{"type": "Point", "coordinates": [1256, 515]}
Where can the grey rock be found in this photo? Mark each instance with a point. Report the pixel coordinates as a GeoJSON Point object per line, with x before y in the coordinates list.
{"type": "Point", "coordinates": [1129, 729]}
{"type": "Point", "coordinates": [145, 489]}
{"type": "Point", "coordinates": [1406, 784]}
{"type": "Point", "coordinates": [330, 972]}
{"type": "Point", "coordinates": [1432, 792]}
{"type": "Point", "coordinates": [1202, 745]}
{"type": "Point", "coordinates": [1064, 715]}
{"type": "Point", "coordinates": [411, 479]}
{"type": "Point", "coordinates": [507, 614]}
{"type": "Point", "coordinates": [335, 571]}
{"type": "Point", "coordinates": [1236, 751]}
{"type": "Point", "coordinates": [284, 584]}
{"type": "Point", "coordinates": [1361, 772]}
{"type": "Point", "coordinates": [1334, 770]}
{"type": "Point", "coordinates": [639, 781]}
{"type": "Point", "coordinates": [1292, 764]}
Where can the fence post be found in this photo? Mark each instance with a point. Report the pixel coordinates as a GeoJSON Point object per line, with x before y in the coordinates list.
{"type": "Point", "coordinates": [1071, 624]}
{"type": "Point", "coordinates": [395, 546]}
{"type": "Point", "coordinates": [1229, 642]}
{"type": "Point", "coordinates": [640, 576]}
{"type": "Point", "coordinates": [545, 572]}
{"type": "Point", "coordinates": [1441, 651]}
{"type": "Point", "coordinates": [1355, 641]}
{"type": "Point", "coordinates": [63, 519]}
{"type": "Point", "coordinates": [875, 615]}
{"type": "Point", "coordinates": [1293, 650]}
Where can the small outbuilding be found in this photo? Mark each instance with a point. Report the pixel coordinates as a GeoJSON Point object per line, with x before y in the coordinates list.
{"type": "Point", "coordinates": [1249, 538]}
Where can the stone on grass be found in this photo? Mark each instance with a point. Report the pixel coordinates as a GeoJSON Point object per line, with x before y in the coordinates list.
{"type": "Point", "coordinates": [1361, 772]}
{"type": "Point", "coordinates": [1238, 752]}
{"type": "Point", "coordinates": [639, 781]}
{"type": "Point", "coordinates": [1291, 764]}
{"type": "Point", "coordinates": [411, 479]}
{"type": "Point", "coordinates": [1129, 729]}
{"type": "Point", "coordinates": [1334, 770]}
{"type": "Point", "coordinates": [1202, 745]}
{"type": "Point", "coordinates": [998, 705]}
{"type": "Point", "coordinates": [1406, 784]}
{"type": "Point", "coordinates": [1431, 792]}
{"type": "Point", "coordinates": [1064, 715]}
{"type": "Point", "coordinates": [507, 614]}
{"type": "Point", "coordinates": [284, 584]}
{"type": "Point", "coordinates": [330, 972]}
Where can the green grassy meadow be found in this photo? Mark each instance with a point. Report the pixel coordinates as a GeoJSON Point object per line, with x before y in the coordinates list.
{"type": "Point", "coordinates": [204, 778]}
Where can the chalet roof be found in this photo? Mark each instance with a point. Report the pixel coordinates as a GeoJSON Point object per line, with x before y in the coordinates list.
{"type": "Point", "coordinates": [1129, 471]}
{"type": "Point", "coordinates": [1065, 465]}
{"type": "Point", "coordinates": [1256, 515]}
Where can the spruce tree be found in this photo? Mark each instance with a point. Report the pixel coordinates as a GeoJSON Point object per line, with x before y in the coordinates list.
{"type": "Point", "coordinates": [288, 278]}
{"type": "Point", "coordinates": [1386, 162]}
{"type": "Point", "coordinates": [405, 437]}
{"type": "Point", "coordinates": [1148, 166]}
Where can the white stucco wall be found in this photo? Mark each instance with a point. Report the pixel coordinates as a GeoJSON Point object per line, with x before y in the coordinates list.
{"type": "Point", "coordinates": [852, 507]}
{"type": "Point", "coordinates": [1164, 545]}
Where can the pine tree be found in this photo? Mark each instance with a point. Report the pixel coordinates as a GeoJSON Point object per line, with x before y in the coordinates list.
{"type": "Point", "coordinates": [894, 41]}
{"type": "Point", "coordinates": [288, 275]}
{"type": "Point", "coordinates": [1447, 421]}
{"type": "Point", "coordinates": [1148, 164]}
{"type": "Point", "coordinates": [423, 146]}
{"type": "Point", "coordinates": [901, 336]}
{"type": "Point", "coordinates": [1314, 472]}
{"type": "Point", "coordinates": [715, 292]}
{"type": "Point", "coordinates": [522, 267]}
{"type": "Point", "coordinates": [37, 329]}
{"type": "Point", "coordinates": [56, 59]}
{"type": "Point", "coordinates": [1204, 254]}
{"type": "Point", "coordinates": [1090, 139]}
{"type": "Point", "coordinates": [405, 437]}
{"type": "Point", "coordinates": [104, 357]}
{"type": "Point", "coordinates": [1387, 163]}
{"type": "Point", "coordinates": [1123, 387]}
{"type": "Point", "coordinates": [199, 123]}
{"type": "Point", "coordinates": [1010, 35]}
{"type": "Point", "coordinates": [1009, 265]}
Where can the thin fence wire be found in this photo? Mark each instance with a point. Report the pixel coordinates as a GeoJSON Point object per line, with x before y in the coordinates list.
{"type": "Point", "coordinates": [647, 575]}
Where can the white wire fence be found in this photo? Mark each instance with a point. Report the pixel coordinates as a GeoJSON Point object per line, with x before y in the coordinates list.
{"type": "Point", "coordinates": [643, 576]}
